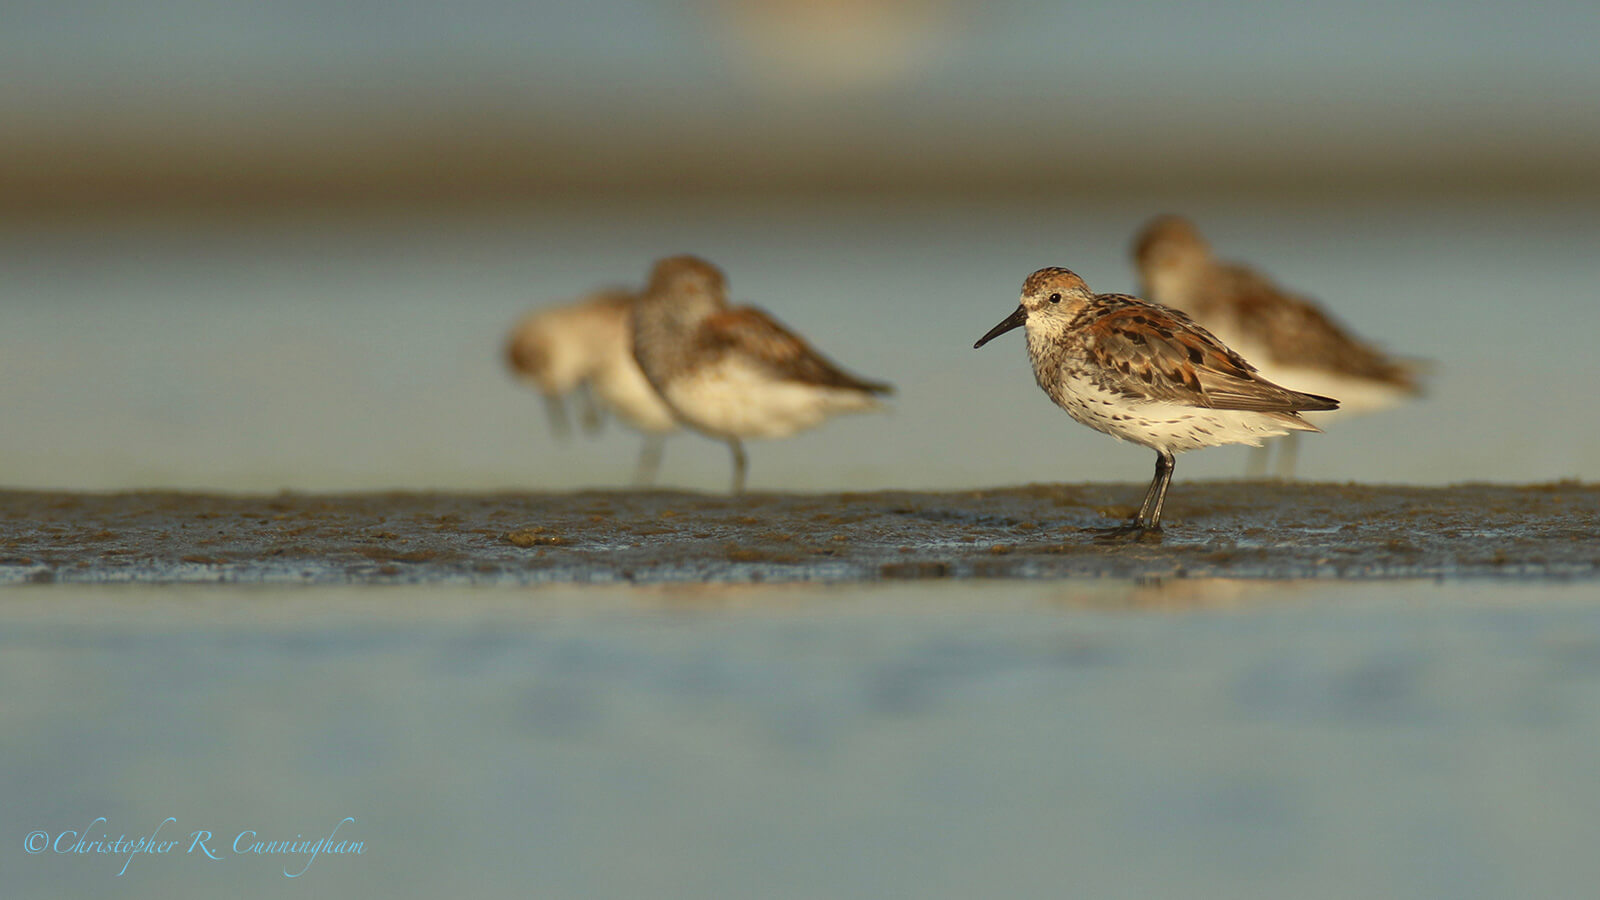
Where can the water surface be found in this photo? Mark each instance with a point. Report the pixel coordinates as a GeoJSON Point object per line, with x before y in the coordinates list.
{"type": "Point", "coordinates": [1173, 738]}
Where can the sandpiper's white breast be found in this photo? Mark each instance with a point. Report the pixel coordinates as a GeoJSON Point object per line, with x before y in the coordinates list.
{"type": "Point", "coordinates": [624, 390]}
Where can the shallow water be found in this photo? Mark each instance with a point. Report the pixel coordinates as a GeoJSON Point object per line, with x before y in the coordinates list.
{"type": "Point", "coordinates": [318, 355]}
{"type": "Point", "coordinates": [1193, 738]}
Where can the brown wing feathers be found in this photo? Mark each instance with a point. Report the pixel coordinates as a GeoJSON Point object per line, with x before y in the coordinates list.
{"type": "Point", "coordinates": [757, 335]}
{"type": "Point", "coordinates": [1165, 356]}
{"type": "Point", "coordinates": [1298, 331]}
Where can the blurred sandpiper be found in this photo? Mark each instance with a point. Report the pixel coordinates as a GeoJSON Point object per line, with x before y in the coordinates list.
{"type": "Point", "coordinates": [1144, 373]}
{"type": "Point", "coordinates": [1293, 340]}
{"type": "Point", "coordinates": [586, 349]}
{"type": "Point", "coordinates": [734, 373]}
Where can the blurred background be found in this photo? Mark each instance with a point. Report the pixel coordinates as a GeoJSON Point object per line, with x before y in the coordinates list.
{"type": "Point", "coordinates": [263, 245]}
{"type": "Point", "coordinates": [250, 246]}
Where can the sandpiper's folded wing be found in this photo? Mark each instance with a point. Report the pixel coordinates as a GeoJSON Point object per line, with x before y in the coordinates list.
{"type": "Point", "coordinates": [1297, 331]}
{"type": "Point", "coordinates": [755, 335]}
{"type": "Point", "coordinates": [1160, 354]}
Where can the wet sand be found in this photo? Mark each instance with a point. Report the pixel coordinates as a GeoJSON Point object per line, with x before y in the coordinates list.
{"type": "Point", "coordinates": [1214, 529]}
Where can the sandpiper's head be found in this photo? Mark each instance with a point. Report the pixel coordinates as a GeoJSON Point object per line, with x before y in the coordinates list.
{"type": "Point", "coordinates": [1049, 297]}
{"type": "Point", "coordinates": [1168, 244]}
{"type": "Point", "coordinates": [686, 275]}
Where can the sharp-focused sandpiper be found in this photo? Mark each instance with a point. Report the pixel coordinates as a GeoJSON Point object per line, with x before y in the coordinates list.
{"type": "Point", "coordinates": [1292, 340]}
{"type": "Point", "coordinates": [1144, 373]}
{"type": "Point", "coordinates": [733, 372]}
{"type": "Point", "coordinates": [586, 349]}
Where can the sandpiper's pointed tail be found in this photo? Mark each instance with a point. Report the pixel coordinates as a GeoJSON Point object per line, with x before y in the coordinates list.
{"type": "Point", "coordinates": [1313, 402]}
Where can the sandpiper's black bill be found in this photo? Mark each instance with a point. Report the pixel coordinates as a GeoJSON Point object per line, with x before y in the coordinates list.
{"type": "Point", "coordinates": [1015, 320]}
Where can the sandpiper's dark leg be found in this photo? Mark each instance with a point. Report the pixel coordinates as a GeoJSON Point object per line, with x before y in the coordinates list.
{"type": "Point", "coordinates": [1288, 455]}
{"type": "Point", "coordinates": [1148, 519]}
{"type": "Point", "coordinates": [556, 409]}
{"type": "Point", "coordinates": [739, 464]}
{"type": "Point", "coordinates": [649, 459]}
{"type": "Point", "coordinates": [1149, 501]}
{"type": "Point", "coordinates": [1165, 463]}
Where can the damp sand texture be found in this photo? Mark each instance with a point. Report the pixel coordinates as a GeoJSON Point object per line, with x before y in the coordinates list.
{"type": "Point", "coordinates": [1216, 529]}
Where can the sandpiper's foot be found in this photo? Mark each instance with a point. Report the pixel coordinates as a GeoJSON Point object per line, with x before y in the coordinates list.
{"type": "Point", "coordinates": [1135, 531]}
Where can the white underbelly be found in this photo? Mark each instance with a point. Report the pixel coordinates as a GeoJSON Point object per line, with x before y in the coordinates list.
{"type": "Point", "coordinates": [738, 401]}
{"type": "Point", "coordinates": [1171, 427]}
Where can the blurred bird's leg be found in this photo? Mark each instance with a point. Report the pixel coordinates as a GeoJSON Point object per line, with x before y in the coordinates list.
{"type": "Point", "coordinates": [556, 409]}
{"type": "Point", "coordinates": [1288, 455]}
{"type": "Point", "coordinates": [1255, 468]}
{"type": "Point", "coordinates": [649, 459]}
{"type": "Point", "coordinates": [740, 464]}
{"type": "Point", "coordinates": [590, 415]}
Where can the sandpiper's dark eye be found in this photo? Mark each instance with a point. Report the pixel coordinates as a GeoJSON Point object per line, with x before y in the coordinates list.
{"type": "Point", "coordinates": [1055, 298]}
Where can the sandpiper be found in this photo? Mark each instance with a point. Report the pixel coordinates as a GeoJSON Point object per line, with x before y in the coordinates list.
{"type": "Point", "coordinates": [587, 347]}
{"type": "Point", "coordinates": [733, 372]}
{"type": "Point", "coordinates": [1144, 373]}
{"type": "Point", "coordinates": [1293, 340]}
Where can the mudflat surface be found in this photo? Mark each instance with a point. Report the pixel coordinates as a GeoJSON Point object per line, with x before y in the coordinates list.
{"type": "Point", "coordinates": [1214, 529]}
